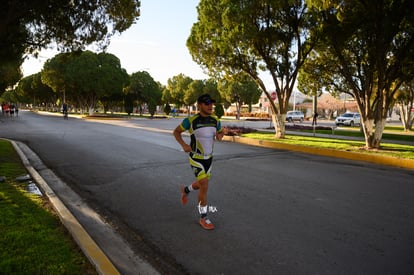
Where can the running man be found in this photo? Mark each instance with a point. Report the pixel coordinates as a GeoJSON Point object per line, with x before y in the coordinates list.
{"type": "Point", "coordinates": [203, 127]}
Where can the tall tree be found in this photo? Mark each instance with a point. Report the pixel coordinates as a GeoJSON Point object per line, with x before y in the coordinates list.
{"type": "Point", "coordinates": [199, 87]}
{"type": "Point", "coordinates": [32, 90]}
{"type": "Point", "coordinates": [405, 99]}
{"type": "Point", "coordinates": [371, 46]}
{"type": "Point", "coordinates": [26, 26]}
{"type": "Point", "coordinates": [328, 105]}
{"type": "Point", "coordinates": [145, 90]}
{"type": "Point", "coordinates": [177, 87]}
{"type": "Point", "coordinates": [115, 78]}
{"type": "Point", "coordinates": [211, 88]}
{"type": "Point", "coordinates": [195, 89]}
{"type": "Point", "coordinates": [41, 91]}
{"type": "Point", "coordinates": [256, 37]}
{"type": "Point", "coordinates": [10, 73]}
{"type": "Point", "coordinates": [53, 73]}
{"type": "Point", "coordinates": [85, 77]}
{"type": "Point", "coordinates": [240, 90]}
{"type": "Point", "coordinates": [25, 89]}
{"type": "Point", "coordinates": [92, 77]}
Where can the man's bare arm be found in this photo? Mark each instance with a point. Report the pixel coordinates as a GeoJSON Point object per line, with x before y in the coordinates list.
{"type": "Point", "coordinates": [177, 134]}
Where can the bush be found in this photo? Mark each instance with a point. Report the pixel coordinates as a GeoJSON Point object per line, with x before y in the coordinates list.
{"type": "Point", "coordinates": [167, 109]}
{"type": "Point", "coordinates": [237, 131]}
{"type": "Point", "coordinates": [219, 111]}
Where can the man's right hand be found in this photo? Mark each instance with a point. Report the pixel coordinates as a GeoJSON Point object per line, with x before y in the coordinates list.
{"type": "Point", "coordinates": [187, 148]}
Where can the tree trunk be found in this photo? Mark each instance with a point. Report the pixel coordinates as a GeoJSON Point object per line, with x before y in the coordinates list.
{"type": "Point", "coordinates": [238, 110]}
{"type": "Point", "coordinates": [373, 133]}
{"type": "Point", "coordinates": [406, 116]}
{"type": "Point", "coordinates": [279, 125]}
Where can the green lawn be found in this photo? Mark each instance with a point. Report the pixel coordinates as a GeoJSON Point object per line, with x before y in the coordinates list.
{"type": "Point", "coordinates": [387, 149]}
{"type": "Point", "coordinates": [390, 133]}
{"type": "Point", "coordinates": [32, 239]}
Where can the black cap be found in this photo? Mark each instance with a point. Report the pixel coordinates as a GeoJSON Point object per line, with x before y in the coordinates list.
{"type": "Point", "coordinates": [205, 98]}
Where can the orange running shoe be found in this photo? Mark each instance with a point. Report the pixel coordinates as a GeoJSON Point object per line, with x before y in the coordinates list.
{"type": "Point", "coordinates": [206, 223]}
{"type": "Point", "coordinates": [184, 198]}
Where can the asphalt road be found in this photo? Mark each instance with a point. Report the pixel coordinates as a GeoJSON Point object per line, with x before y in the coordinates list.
{"type": "Point", "coordinates": [276, 212]}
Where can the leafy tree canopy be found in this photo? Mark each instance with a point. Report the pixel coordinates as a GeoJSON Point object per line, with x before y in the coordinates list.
{"type": "Point", "coordinates": [85, 77]}
{"type": "Point", "coordinates": [26, 26]}
{"type": "Point", "coordinates": [368, 48]}
{"type": "Point", "coordinates": [10, 73]}
{"type": "Point", "coordinates": [240, 89]}
{"type": "Point", "coordinates": [254, 36]}
{"type": "Point", "coordinates": [177, 87]}
{"type": "Point", "coordinates": [32, 90]}
{"type": "Point", "coordinates": [199, 87]}
{"type": "Point", "coordinates": [145, 90]}
{"type": "Point", "coordinates": [405, 99]}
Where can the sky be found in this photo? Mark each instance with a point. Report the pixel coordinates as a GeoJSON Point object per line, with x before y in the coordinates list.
{"type": "Point", "coordinates": [156, 43]}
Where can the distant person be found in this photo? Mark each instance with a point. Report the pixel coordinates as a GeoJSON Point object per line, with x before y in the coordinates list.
{"type": "Point", "coordinates": [6, 109]}
{"type": "Point", "coordinates": [16, 110]}
{"type": "Point", "coordinates": [314, 120]}
{"type": "Point", "coordinates": [12, 109]}
{"type": "Point", "coordinates": [65, 110]}
{"type": "Point", "coordinates": [203, 127]}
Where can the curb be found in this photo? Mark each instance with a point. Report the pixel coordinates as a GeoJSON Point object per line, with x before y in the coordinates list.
{"type": "Point", "coordinates": [91, 250]}
{"type": "Point", "coordinates": [383, 160]}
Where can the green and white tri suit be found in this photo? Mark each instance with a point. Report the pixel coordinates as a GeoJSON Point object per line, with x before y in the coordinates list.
{"type": "Point", "coordinates": [202, 132]}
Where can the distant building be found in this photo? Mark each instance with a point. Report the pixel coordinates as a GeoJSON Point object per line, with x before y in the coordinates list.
{"type": "Point", "coordinates": [263, 106]}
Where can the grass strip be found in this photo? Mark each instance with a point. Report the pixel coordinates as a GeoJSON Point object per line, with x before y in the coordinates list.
{"type": "Point", "coordinates": [387, 149]}
{"type": "Point", "coordinates": [391, 133]}
{"type": "Point", "coordinates": [32, 239]}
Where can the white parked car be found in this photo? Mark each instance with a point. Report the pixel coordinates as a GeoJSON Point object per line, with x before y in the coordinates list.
{"type": "Point", "coordinates": [295, 115]}
{"type": "Point", "coordinates": [348, 119]}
